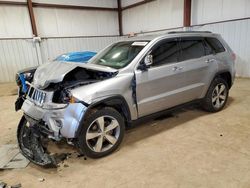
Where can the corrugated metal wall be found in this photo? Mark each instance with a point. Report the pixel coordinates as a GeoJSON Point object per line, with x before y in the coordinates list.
{"type": "Point", "coordinates": [52, 47]}
{"type": "Point", "coordinates": [69, 26]}
{"type": "Point", "coordinates": [15, 25]}
{"type": "Point", "coordinates": [156, 15]}
{"type": "Point", "coordinates": [55, 22]}
{"type": "Point", "coordinates": [236, 33]}
{"type": "Point", "coordinates": [18, 54]}
{"type": "Point", "coordinates": [205, 11]}
{"type": "Point", "coordinates": [15, 55]}
{"type": "Point", "coordinates": [99, 3]}
{"type": "Point", "coordinates": [237, 36]}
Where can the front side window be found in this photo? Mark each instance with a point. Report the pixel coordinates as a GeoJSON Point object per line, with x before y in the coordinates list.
{"type": "Point", "coordinates": [120, 54]}
{"type": "Point", "coordinates": [166, 52]}
{"type": "Point", "coordinates": [192, 49]}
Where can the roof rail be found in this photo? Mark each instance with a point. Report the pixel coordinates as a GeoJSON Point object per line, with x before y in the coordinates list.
{"type": "Point", "coordinates": [175, 32]}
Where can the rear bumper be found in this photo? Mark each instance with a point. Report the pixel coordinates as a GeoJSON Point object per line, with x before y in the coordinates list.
{"type": "Point", "coordinates": [62, 120]}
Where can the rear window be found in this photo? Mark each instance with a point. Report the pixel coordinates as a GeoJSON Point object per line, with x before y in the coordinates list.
{"type": "Point", "coordinates": [191, 49]}
{"type": "Point", "coordinates": [215, 44]}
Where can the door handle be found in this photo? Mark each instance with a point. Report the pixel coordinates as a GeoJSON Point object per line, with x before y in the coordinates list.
{"type": "Point", "coordinates": [175, 68]}
{"type": "Point", "coordinates": [210, 60]}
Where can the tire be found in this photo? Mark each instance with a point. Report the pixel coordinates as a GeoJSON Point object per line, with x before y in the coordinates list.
{"type": "Point", "coordinates": [216, 96]}
{"type": "Point", "coordinates": [96, 129]}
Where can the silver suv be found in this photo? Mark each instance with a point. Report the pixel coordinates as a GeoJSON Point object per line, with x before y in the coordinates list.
{"type": "Point", "coordinates": [91, 104]}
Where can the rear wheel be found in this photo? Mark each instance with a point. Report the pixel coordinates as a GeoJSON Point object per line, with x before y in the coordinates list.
{"type": "Point", "coordinates": [216, 96]}
{"type": "Point", "coordinates": [102, 132]}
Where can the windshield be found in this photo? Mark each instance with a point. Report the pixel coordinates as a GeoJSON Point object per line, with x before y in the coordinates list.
{"type": "Point", "coordinates": [120, 54]}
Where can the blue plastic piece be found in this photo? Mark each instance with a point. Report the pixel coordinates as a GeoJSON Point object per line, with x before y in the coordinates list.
{"type": "Point", "coordinates": [80, 57]}
{"type": "Point", "coordinates": [24, 85]}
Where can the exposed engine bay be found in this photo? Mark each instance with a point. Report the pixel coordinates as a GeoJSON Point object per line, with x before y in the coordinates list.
{"type": "Point", "coordinates": [75, 78]}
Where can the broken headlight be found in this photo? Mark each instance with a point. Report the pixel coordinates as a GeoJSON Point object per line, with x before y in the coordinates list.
{"type": "Point", "coordinates": [64, 96]}
{"type": "Point", "coordinates": [73, 99]}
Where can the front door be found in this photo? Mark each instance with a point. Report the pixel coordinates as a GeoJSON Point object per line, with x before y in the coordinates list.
{"type": "Point", "coordinates": [163, 85]}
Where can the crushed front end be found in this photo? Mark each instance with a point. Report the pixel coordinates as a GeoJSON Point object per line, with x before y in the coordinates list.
{"type": "Point", "coordinates": [45, 118]}
{"type": "Point", "coordinates": [51, 111]}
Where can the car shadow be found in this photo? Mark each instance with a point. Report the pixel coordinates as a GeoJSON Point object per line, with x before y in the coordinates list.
{"type": "Point", "coordinates": [142, 130]}
{"type": "Point", "coordinates": [150, 127]}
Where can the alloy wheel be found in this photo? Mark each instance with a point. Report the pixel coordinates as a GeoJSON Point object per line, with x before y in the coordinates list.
{"type": "Point", "coordinates": [103, 133]}
{"type": "Point", "coordinates": [219, 95]}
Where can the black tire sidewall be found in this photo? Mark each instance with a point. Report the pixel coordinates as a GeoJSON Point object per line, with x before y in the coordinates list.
{"type": "Point", "coordinates": [207, 103]}
{"type": "Point", "coordinates": [81, 139]}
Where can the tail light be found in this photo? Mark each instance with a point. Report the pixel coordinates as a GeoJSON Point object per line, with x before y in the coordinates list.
{"type": "Point", "coordinates": [234, 56]}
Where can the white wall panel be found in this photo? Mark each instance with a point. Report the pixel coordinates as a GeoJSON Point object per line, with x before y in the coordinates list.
{"type": "Point", "coordinates": [53, 47]}
{"type": "Point", "coordinates": [21, 53]}
{"type": "Point", "coordinates": [129, 2]}
{"type": "Point", "coordinates": [97, 3]}
{"type": "Point", "coordinates": [17, 0]}
{"type": "Point", "coordinates": [52, 22]}
{"type": "Point", "coordinates": [204, 11]}
{"type": "Point", "coordinates": [236, 35]}
{"type": "Point", "coordinates": [14, 22]}
{"type": "Point", "coordinates": [16, 55]}
{"type": "Point", "coordinates": [160, 14]}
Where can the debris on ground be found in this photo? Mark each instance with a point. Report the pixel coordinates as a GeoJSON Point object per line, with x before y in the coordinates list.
{"type": "Point", "coordinates": [41, 179]}
{"type": "Point", "coordinates": [61, 157]}
{"type": "Point", "coordinates": [16, 186]}
{"type": "Point", "coordinates": [2, 184]}
{"type": "Point", "coordinates": [80, 155]}
{"type": "Point", "coordinates": [34, 144]}
{"type": "Point", "coordinates": [11, 158]}
{"type": "Point", "coordinates": [153, 124]}
{"type": "Point", "coordinates": [5, 185]}
{"type": "Point", "coordinates": [66, 165]}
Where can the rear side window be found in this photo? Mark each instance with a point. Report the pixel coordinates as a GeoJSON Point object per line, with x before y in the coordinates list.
{"type": "Point", "coordinates": [215, 44]}
{"type": "Point", "coordinates": [165, 52]}
{"type": "Point", "coordinates": [192, 48]}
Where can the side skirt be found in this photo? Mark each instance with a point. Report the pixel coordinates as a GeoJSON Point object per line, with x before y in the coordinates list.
{"type": "Point", "coordinates": [163, 112]}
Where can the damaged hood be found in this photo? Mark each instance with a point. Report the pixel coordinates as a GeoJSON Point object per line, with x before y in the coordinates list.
{"type": "Point", "coordinates": [54, 72]}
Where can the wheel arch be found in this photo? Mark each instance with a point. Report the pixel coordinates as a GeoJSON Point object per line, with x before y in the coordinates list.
{"type": "Point", "coordinates": [117, 102]}
{"type": "Point", "coordinates": [226, 75]}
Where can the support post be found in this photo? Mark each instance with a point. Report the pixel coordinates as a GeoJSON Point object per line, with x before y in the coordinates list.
{"type": "Point", "coordinates": [120, 17]}
{"type": "Point", "coordinates": [187, 13]}
{"type": "Point", "coordinates": [32, 18]}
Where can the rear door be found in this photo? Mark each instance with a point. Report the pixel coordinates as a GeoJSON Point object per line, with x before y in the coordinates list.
{"type": "Point", "coordinates": [199, 63]}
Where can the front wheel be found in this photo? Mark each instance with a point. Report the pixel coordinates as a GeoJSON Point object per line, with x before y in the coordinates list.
{"type": "Point", "coordinates": [216, 96]}
{"type": "Point", "coordinates": [101, 133]}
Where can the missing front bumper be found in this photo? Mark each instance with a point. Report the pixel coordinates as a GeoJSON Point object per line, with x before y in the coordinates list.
{"type": "Point", "coordinates": [30, 141]}
{"type": "Point", "coordinates": [38, 124]}
{"type": "Point", "coordinates": [63, 122]}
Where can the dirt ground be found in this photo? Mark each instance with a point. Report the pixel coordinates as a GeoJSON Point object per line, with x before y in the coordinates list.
{"type": "Point", "coordinates": [190, 149]}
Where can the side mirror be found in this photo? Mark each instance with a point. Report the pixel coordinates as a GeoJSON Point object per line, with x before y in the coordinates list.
{"type": "Point", "coordinates": [144, 65]}
{"type": "Point", "coordinates": [148, 60]}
